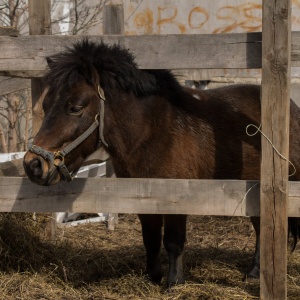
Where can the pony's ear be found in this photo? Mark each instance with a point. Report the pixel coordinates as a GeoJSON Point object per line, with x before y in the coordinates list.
{"type": "Point", "coordinates": [50, 62]}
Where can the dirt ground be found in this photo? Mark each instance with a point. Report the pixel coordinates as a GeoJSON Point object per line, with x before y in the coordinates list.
{"type": "Point", "coordinates": [90, 262]}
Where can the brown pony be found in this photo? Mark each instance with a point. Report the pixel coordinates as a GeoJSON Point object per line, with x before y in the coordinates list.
{"type": "Point", "coordinates": [152, 128]}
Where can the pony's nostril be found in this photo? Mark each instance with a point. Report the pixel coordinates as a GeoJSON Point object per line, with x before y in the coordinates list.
{"type": "Point", "coordinates": [36, 167]}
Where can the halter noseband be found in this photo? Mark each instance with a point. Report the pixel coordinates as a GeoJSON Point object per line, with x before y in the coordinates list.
{"type": "Point", "coordinates": [52, 157]}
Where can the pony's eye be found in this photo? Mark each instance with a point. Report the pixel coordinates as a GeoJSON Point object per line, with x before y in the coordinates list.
{"type": "Point", "coordinates": [75, 110]}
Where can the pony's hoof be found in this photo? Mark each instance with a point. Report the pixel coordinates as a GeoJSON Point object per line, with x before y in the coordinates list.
{"type": "Point", "coordinates": [155, 277]}
{"type": "Point", "coordinates": [172, 283]}
{"type": "Point", "coordinates": [252, 275]}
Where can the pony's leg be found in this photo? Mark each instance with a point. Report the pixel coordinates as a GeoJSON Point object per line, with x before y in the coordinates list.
{"type": "Point", "coordinates": [152, 235]}
{"type": "Point", "coordinates": [174, 239]}
{"type": "Point", "coordinates": [255, 269]}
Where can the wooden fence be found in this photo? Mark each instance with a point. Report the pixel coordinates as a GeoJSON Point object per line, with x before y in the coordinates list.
{"type": "Point", "coordinates": [24, 56]}
{"type": "Point", "coordinates": [121, 195]}
{"type": "Point", "coordinates": [275, 53]}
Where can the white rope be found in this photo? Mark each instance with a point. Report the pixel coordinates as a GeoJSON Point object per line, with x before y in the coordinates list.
{"type": "Point", "coordinates": [279, 154]}
{"type": "Point", "coordinates": [270, 142]}
{"type": "Point", "coordinates": [244, 198]}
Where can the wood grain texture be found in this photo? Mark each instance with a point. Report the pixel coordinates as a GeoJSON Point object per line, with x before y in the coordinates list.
{"type": "Point", "coordinates": [25, 56]}
{"type": "Point", "coordinates": [39, 17]}
{"type": "Point", "coordinates": [8, 31]}
{"type": "Point", "coordinates": [10, 85]}
{"type": "Point", "coordinates": [113, 19]}
{"type": "Point", "coordinates": [170, 196]}
{"type": "Point", "coordinates": [12, 168]}
{"type": "Point", "coordinates": [276, 63]}
{"type": "Point", "coordinates": [152, 196]}
{"type": "Point", "coordinates": [40, 24]}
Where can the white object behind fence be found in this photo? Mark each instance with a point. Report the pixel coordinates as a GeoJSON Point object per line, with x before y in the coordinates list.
{"type": "Point", "coordinates": [73, 219]}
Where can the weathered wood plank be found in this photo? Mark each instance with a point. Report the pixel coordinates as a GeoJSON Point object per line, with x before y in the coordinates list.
{"type": "Point", "coordinates": [12, 168]}
{"type": "Point", "coordinates": [40, 24]}
{"type": "Point", "coordinates": [10, 85]}
{"type": "Point", "coordinates": [113, 19]}
{"type": "Point", "coordinates": [164, 196]}
{"type": "Point", "coordinates": [8, 31]}
{"type": "Point", "coordinates": [25, 56]}
{"type": "Point", "coordinates": [276, 63]}
{"type": "Point", "coordinates": [39, 17]}
{"type": "Point", "coordinates": [130, 196]}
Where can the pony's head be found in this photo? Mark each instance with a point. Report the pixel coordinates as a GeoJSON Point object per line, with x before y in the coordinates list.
{"type": "Point", "coordinates": [81, 82]}
{"type": "Point", "coordinates": [72, 128]}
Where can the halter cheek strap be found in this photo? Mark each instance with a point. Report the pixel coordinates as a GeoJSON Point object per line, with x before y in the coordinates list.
{"type": "Point", "coordinates": [102, 108]}
{"type": "Point", "coordinates": [52, 157]}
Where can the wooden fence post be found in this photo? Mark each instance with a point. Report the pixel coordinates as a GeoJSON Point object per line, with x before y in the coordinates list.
{"type": "Point", "coordinates": [6, 31]}
{"type": "Point", "coordinates": [113, 19]}
{"type": "Point", "coordinates": [113, 23]}
{"type": "Point", "coordinates": [276, 57]}
{"type": "Point", "coordinates": [40, 24]}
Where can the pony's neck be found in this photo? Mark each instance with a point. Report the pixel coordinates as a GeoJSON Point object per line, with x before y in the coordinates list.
{"type": "Point", "coordinates": [133, 125]}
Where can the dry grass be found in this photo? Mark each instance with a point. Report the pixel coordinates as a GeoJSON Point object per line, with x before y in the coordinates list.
{"type": "Point", "coordinates": [89, 262]}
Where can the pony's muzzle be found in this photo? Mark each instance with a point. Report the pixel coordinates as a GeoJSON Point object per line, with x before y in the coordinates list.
{"type": "Point", "coordinates": [37, 169]}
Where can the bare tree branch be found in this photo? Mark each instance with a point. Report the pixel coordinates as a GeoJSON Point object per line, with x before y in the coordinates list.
{"type": "Point", "coordinates": [4, 116]}
{"type": "Point", "coordinates": [2, 140]}
{"type": "Point", "coordinates": [11, 12]}
{"type": "Point", "coordinates": [81, 16]}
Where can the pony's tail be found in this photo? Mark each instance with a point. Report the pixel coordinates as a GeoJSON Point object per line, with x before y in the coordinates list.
{"type": "Point", "coordinates": [294, 232]}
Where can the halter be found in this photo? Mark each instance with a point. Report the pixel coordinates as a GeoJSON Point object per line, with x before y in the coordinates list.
{"type": "Point", "coordinates": [52, 157]}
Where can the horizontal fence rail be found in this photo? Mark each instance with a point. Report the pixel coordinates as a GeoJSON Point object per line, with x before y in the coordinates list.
{"type": "Point", "coordinates": [25, 56]}
{"type": "Point", "coordinates": [122, 195]}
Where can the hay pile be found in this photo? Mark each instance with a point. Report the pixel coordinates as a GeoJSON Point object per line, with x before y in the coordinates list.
{"type": "Point", "coordinates": [90, 262]}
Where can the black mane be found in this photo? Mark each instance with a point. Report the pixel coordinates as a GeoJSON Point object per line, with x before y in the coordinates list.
{"type": "Point", "coordinates": [114, 64]}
